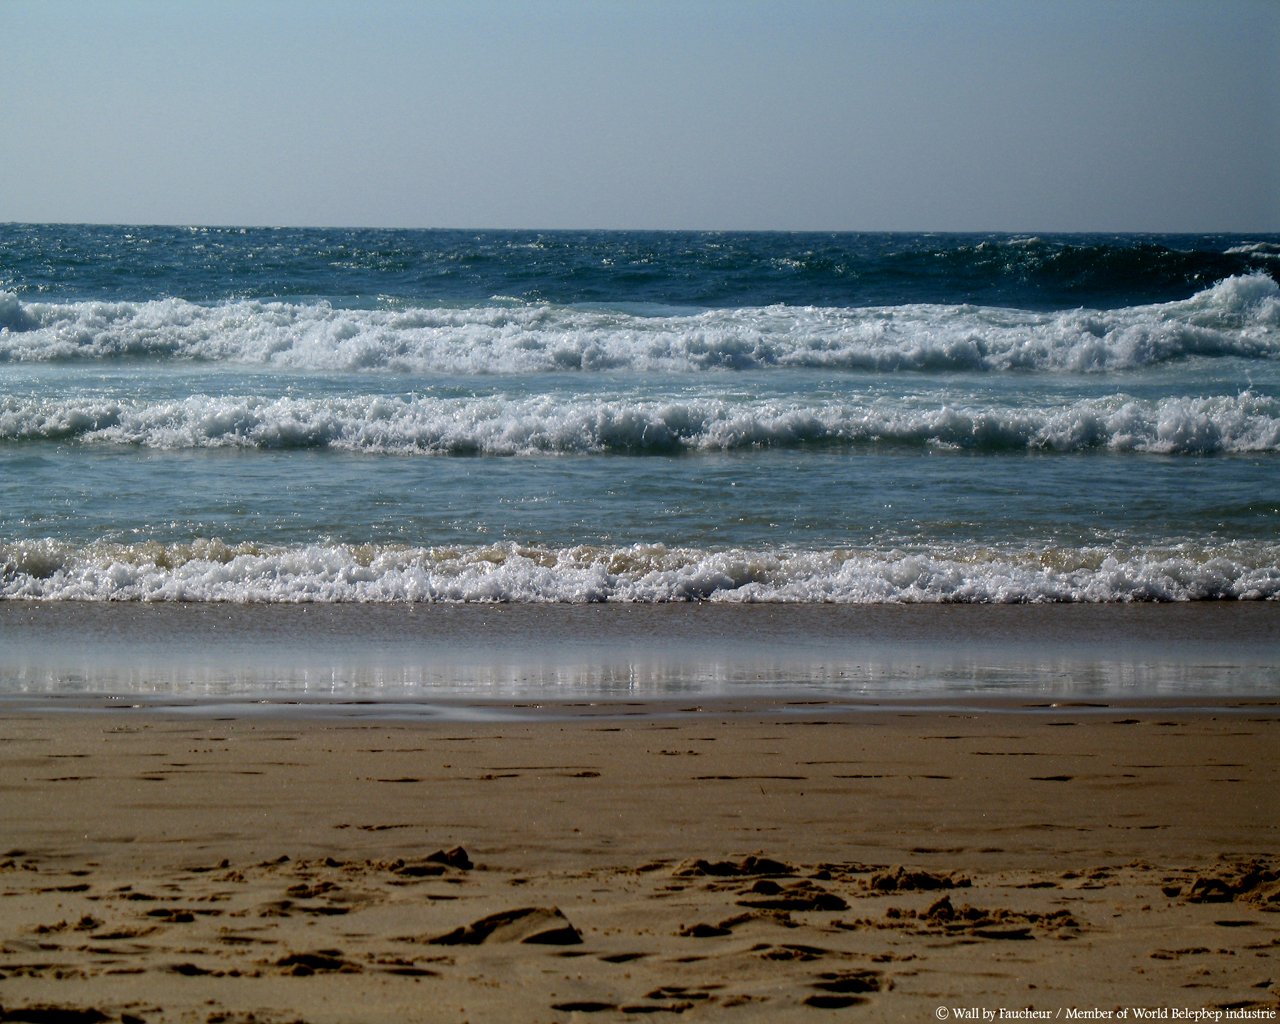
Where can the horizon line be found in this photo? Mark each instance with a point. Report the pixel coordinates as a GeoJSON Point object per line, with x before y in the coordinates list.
{"type": "Point", "coordinates": [284, 226]}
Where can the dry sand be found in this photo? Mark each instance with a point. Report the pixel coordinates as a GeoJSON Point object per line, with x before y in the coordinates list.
{"type": "Point", "coordinates": [732, 864]}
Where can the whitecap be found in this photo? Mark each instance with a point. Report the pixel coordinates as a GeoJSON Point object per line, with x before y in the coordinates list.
{"type": "Point", "coordinates": [542, 425]}
{"type": "Point", "coordinates": [211, 571]}
{"type": "Point", "coordinates": [1239, 316]}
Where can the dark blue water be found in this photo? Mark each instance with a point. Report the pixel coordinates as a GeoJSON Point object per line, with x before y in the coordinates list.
{"type": "Point", "coordinates": [702, 269]}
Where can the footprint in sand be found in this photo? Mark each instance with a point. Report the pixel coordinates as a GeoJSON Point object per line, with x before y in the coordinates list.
{"type": "Point", "coordinates": [321, 961]}
{"type": "Point", "coordinates": [538, 925]}
{"type": "Point", "coordinates": [838, 989]}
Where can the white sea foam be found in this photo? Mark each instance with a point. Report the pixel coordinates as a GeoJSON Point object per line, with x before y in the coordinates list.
{"type": "Point", "coordinates": [12, 315]}
{"type": "Point", "coordinates": [1237, 317]}
{"type": "Point", "coordinates": [214, 571]}
{"type": "Point", "coordinates": [1267, 250]}
{"type": "Point", "coordinates": [536, 425]}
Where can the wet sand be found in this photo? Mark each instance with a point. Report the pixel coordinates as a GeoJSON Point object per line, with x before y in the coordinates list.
{"type": "Point", "coordinates": [732, 861]}
{"type": "Point", "coordinates": [653, 652]}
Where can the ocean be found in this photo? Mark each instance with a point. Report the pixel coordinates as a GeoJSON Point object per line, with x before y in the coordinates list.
{"type": "Point", "coordinates": [228, 422]}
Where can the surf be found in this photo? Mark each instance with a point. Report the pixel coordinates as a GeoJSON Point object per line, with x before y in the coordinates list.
{"type": "Point", "coordinates": [1238, 317]}
{"type": "Point", "coordinates": [248, 572]}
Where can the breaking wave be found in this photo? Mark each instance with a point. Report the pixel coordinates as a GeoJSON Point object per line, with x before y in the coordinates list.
{"type": "Point", "coordinates": [211, 570]}
{"type": "Point", "coordinates": [1240, 316]}
{"type": "Point", "coordinates": [540, 425]}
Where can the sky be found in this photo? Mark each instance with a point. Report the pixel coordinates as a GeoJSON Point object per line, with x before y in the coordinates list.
{"type": "Point", "coordinates": [861, 115]}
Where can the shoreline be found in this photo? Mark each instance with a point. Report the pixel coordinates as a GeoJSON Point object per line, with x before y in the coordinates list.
{"type": "Point", "coordinates": [733, 865]}
{"type": "Point", "coordinates": [549, 711]}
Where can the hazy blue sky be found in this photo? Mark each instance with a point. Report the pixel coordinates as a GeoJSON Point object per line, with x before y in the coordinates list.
{"type": "Point", "coordinates": [1142, 115]}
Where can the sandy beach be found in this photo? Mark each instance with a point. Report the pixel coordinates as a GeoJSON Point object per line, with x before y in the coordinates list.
{"type": "Point", "coordinates": [611, 860]}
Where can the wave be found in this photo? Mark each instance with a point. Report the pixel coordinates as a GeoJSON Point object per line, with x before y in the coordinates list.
{"type": "Point", "coordinates": [213, 571]}
{"type": "Point", "coordinates": [542, 425]}
{"type": "Point", "coordinates": [1265, 250]}
{"type": "Point", "coordinates": [1239, 316]}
